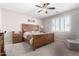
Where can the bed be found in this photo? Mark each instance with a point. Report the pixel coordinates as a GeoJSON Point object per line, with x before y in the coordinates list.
{"type": "Point", "coordinates": [36, 38]}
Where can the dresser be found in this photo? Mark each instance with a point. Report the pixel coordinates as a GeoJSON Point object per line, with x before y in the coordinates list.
{"type": "Point", "coordinates": [2, 44]}
{"type": "Point", "coordinates": [17, 37]}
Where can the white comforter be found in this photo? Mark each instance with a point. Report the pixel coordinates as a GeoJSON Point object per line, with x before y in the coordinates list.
{"type": "Point", "coordinates": [28, 35]}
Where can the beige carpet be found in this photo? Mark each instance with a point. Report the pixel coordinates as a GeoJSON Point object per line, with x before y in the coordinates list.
{"type": "Point", "coordinates": [57, 48]}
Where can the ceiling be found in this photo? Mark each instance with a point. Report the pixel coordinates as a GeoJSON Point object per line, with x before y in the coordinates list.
{"type": "Point", "coordinates": [31, 10]}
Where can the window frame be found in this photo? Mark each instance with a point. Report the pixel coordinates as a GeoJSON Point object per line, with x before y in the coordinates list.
{"type": "Point", "coordinates": [60, 18]}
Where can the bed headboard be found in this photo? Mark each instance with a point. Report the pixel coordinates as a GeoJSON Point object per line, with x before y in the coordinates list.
{"type": "Point", "coordinates": [29, 27]}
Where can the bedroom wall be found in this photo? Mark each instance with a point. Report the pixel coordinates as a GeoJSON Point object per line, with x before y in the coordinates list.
{"type": "Point", "coordinates": [47, 23]}
{"type": "Point", "coordinates": [11, 21]}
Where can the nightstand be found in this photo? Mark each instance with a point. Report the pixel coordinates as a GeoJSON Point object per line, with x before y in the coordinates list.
{"type": "Point", "coordinates": [17, 37]}
{"type": "Point", "coordinates": [2, 44]}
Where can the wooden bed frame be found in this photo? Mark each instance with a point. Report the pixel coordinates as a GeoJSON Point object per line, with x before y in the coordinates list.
{"type": "Point", "coordinates": [38, 40]}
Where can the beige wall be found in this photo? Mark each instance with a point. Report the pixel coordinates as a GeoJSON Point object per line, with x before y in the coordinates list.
{"type": "Point", "coordinates": [11, 21]}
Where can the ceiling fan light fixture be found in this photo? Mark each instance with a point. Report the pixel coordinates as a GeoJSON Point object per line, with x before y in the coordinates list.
{"type": "Point", "coordinates": [45, 9]}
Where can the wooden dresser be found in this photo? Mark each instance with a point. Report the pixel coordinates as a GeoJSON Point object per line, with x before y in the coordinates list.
{"type": "Point", "coordinates": [2, 53]}
{"type": "Point", "coordinates": [17, 37]}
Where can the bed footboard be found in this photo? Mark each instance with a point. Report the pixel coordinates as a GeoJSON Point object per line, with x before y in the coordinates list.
{"type": "Point", "coordinates": [43, 39]}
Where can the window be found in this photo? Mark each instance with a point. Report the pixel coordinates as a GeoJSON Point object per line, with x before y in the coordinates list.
{"type": "Point", "coordinates": [62, 24]}
{"type": "Point", "coordinates": [57, 25]}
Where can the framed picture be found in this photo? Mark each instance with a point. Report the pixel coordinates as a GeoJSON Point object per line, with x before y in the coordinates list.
{"type": "Point", "coordinates": [29, 20]}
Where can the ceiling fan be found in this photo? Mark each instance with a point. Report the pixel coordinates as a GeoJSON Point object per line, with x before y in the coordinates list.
{"type": "Point", "coordinates": [45, 7]}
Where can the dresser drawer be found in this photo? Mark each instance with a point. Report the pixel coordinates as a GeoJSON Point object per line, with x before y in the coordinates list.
{"type": "Point", "coordinates": [17, 40]}
{"type": "Point", "coordinates": [17, 37]}
{"type": "Point", "coordinates": [1, 44]}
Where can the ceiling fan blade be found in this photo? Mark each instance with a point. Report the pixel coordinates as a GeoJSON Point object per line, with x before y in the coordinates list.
{"type": "Point", "coordinates": [46, 12]}
{"type": "Point", "coordinates": [47, 4]}
{"type": "Point", "coordinates": [51, 8]}
{"type": "Point", "coordinates": [38, 6]}
{"type": "Point", "coordinates": [43, 4]}
{"type": "Point", "coordinates": [39, 11]}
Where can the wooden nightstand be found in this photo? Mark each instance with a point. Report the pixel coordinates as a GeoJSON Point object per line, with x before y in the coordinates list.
{"type": "Point", "coordinates": [2, 44]}
{"type": "Point", "coordinates": [17, 37]}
